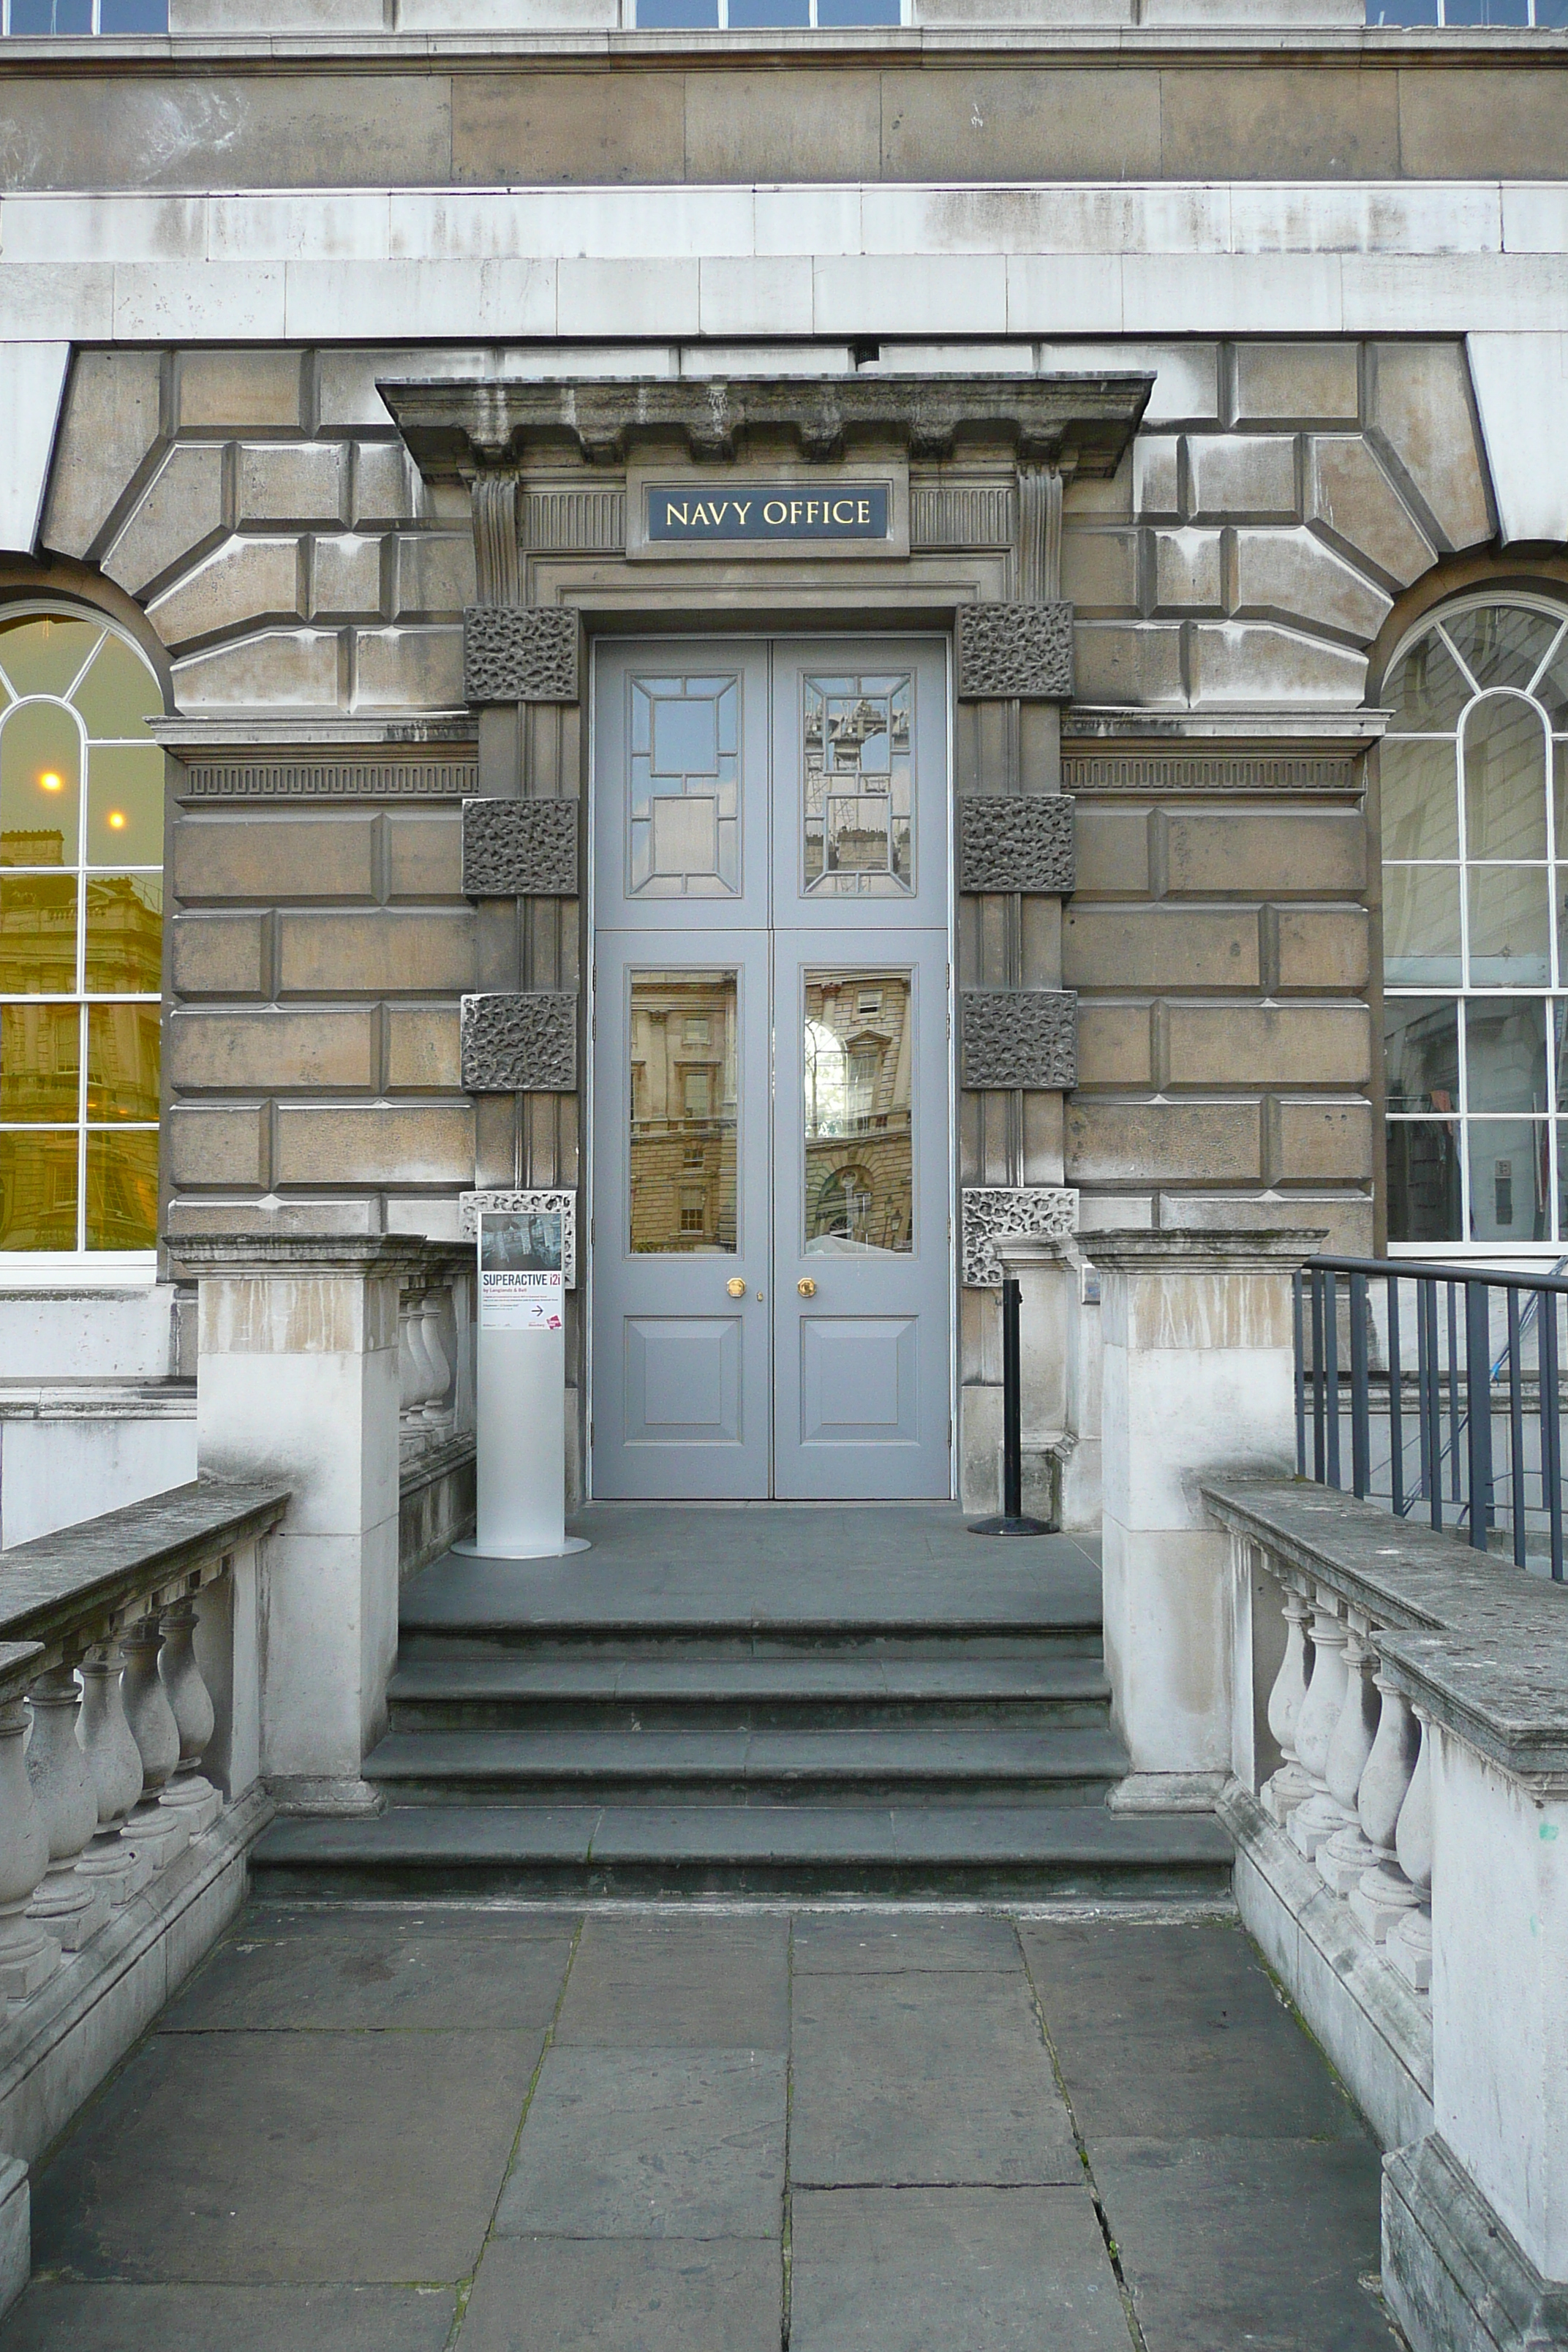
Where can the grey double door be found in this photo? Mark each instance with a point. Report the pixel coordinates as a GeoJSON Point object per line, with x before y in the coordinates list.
{"type": "Point", "coordinates": [770, 1149]}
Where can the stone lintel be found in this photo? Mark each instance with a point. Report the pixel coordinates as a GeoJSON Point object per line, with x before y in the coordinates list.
{"type": "Point", "coordinates": [520, 849]}
{"type": "Point", "coordinates": [1015, 651]}
{"type": "Point", "coordinates": [454, 428]}
{"type": "Point", "coordinates": [1011, 841]}
{"type": "Point", "coordinates": [1020, 1037]}
{"type": "Point", "coordinates": [522, 1043]}
{"type": "Point", "coordinates": [515, 653]}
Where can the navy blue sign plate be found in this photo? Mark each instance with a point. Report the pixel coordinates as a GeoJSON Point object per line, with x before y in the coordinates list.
{"type": "Point", "coordinates": [842, 510]}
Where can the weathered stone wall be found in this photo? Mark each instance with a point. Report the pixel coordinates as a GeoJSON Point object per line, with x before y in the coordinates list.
{"type": "Point", "coordinates": [1358, 110]}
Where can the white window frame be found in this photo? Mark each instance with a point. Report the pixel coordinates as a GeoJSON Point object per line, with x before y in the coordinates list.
{"type": "Point", "coordinates": [82, 1268]}
{"type": "Point", "coordinates": [1553, 992]}
{"type": "Point", "coordinates": [629, 22]}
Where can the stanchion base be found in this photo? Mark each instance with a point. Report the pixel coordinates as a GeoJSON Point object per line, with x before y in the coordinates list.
{"type": "Point", "coordinates": [1001, 1525]}
{"type": "Point", "coordinates": [469, 1550]}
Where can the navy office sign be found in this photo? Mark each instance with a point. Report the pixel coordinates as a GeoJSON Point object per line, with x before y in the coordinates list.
{"type": "Point", "coordinates": [766, 511]}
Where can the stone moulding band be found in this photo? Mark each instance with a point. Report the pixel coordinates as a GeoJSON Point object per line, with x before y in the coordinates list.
{"type": "Point", "coordinates": [1009, 841]}
{"type": "Point", "coordinates": [454, 426]}
{"type": "Point", "coordinates": [1020, 1037]}
{"type": "Point", "coordinates": [561, 1205]}
{"type": "Point", "coordinates": [326, 779]}
{"type": "Point", "coordinates": [520, 849]}
{"type": "Point", "coordinates": [520, 653]}
{"type": "Point", "coordinates": [1015, 650]}
{"type": "Point", "coordinates": [524, 1042]}
{"type": "Point", "coordinates": [990, 1212]}
{"type": "Point", "coordinates": [1198, 772]}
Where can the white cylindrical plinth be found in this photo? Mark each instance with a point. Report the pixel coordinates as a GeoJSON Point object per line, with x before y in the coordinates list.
{"type": "Point", "coordinates": [521, 1470]}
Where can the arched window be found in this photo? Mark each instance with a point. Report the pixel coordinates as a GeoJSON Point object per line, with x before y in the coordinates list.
{"type": "Point", "coordinates": [1475, 889]}
{"type": "Point", "coordinates": [81, 922]}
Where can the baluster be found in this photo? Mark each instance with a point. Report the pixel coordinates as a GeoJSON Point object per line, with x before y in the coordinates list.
{"type": "Point", "coordinates": [113, 1861]}
{"type": "Point", "coordinates": [437, 1409]}
{"type": "Point", "coordinates": [28, 1953]}
{"type": "Point", "coordinates": [156, 1827]}
{"type": "Point", "coordinates": [1342, 1858]}
{"type": "Point", "coordinates": [1409, 1943]}
{"type": "Point", "coordinates": [1321, 1816]}
{"type": "Point", "coordinates": [1384, 1893]}
{"type": "Point", "coordinates": [68, 1906]}
{"type": "Point", "coordinates": [188, 1794]}
{"type": "Point", "coordinates": [1288, 1787]}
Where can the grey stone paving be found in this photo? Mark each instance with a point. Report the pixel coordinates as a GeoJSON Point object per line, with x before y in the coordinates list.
{"type": "Point", "coordinates": [446, 2130]}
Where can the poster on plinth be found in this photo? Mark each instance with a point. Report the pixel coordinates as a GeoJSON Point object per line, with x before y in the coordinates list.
{"type": "Point", "coordinates": [520, 1475]}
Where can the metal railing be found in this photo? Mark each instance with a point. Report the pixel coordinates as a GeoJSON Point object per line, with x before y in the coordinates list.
{"type": "Point", "coordinates": [1470, 1436]}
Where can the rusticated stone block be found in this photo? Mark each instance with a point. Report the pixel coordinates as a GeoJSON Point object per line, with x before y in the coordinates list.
{"type": "Point", "coordinates": [1020, 1037]}
{"type": "Point", "coordinates": [517, 653]}
{"type": "Point", "coordinates": [522, 1043]}
{"type": "Point", "coordinates": [1016, 842]}
{"type": "Point", "coordinates": [520, 849]}
{"type": "Point", "coordinates": [1043, 1211]}
{"type": "Point", "coordinates": [1015, 649]}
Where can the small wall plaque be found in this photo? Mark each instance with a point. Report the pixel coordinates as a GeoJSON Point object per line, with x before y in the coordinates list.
{"type": "Point", "coordinates": [792, 510]}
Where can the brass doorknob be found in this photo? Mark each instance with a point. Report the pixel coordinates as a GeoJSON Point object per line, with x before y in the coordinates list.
{"type": "Point", "coordinates": [807, 1287]}
{"type": "Point", "coordinates": [735, 1287]}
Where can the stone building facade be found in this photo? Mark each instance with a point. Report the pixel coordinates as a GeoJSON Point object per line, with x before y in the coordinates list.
{"type": "Point", "coordinates": [1194, 367]}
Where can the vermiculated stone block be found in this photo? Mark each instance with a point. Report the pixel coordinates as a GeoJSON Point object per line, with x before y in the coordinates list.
{"type": "Point", "coordinates": [522, 1043]}
{"type": "Point", "coordinates": [1015, 649]}
{"type": "Point", "coordinates": [1013, 841]}
{"type": "Point", "coordinates": [1020, 1037]}
{"type": "Point", "coordinates": [520, 849]}
{"type": "Point", "coordinates": [514, 652]}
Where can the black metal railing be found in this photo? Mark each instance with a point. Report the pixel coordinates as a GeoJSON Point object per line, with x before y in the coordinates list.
{"type": "Point", "coordinates": [1470, 1435]}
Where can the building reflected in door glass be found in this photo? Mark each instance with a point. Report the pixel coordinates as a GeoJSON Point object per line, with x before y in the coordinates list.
{"type": "Point", "coordinates": [858, 1051]}
{"type": "Point", "coordinates": [682, 1110]}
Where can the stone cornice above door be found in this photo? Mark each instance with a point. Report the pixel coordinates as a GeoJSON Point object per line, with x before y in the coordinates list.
{"type": "Point", "coordinates": [455, 430]}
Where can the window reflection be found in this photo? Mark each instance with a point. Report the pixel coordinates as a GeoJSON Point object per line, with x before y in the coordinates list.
{"type": "Point", "coordinates": [858, 1046]}
{"type": "Point", "coordinates": [82, 845]}
{"type": "Point", "coordinates": [682, 1110]}
{"type": "Point", "coordinates": [1476, 926]}
{"type": "Point", "coordinates": [859, 820]}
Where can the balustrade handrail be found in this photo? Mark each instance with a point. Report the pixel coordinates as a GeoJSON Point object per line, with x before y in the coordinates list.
{"type": "Point", "coordinates": [1462, 1379]}
{"type": "Point", "coordinates": [83, 1583]}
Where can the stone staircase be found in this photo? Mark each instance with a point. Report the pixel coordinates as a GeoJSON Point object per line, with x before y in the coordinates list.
{"type": "Point", "coordinates": [930, 1727]}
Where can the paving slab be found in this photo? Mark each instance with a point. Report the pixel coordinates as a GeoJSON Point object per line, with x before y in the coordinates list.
{"type": "Point", "coordinates": [951, 2270]}
{"type": "Point", "coordinates": [1177, 2032]}
{"type": "Point", "coordinates": [940, 2077]}
{"type": "Point", "coordinates": [1247, 2245]}
{"type": "Point", "coordinates": [685, 1984]}
{"type": "Point", "coordinates": [621, 2294]}
{"type": "Point", "coordinates": [263, 2159]}
{"type": "Point", "coordinates": [877, 1943]}
{"type": "Point", "coordinates": [315, 1970]}
{"type": "Point", "coordinates": [651, 2144]}
{"type": "Point", "coordinates": [66, 2319]}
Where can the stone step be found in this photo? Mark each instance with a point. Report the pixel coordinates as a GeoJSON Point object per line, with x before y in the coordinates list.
{"type": "Point", "coordinates": [1008, 1853]}
{"type": "Point", "coordinates": [522, 1693]}
{"type": "Point", "coordinates": [951, 1764]}
{"type": "Point", "coordinates": [681, 1637]}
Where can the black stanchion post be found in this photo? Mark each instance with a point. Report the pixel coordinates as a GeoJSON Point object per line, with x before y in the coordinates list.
{"type": "Point", "coordinates": [1010, 1520]}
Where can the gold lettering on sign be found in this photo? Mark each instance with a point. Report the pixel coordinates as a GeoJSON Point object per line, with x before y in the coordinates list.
{"type": "Point", "coordinates": [743, 508]}
{"type": "Point", "coordinates": [775, 512]}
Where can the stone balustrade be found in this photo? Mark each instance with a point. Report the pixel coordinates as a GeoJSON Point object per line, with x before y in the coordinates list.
{"type": "Point", "coordinates": [106, 1717]}
{"type": "Point", "coordinates": [1399, 1747]}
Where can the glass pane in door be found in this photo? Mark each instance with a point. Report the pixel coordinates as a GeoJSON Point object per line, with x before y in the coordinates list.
{"type": "Point", "coordinates": [859, 815]}
{"type": "Point", "coordinates": [857, 1057]}
{"type": "Point", "coordinates": [682, 1035]}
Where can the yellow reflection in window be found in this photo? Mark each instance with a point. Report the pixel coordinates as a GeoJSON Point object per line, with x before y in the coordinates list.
{"type": "Point", "coordinates": [44, 653]}
{"type": "Point", "coordinates": [121, 1060]}
{"type": "Point", "coordinates": [124, 934]}
{"type": "Point", "coordinates": [37, 1190]}
{"type": "Point", "coordinates": [122, 1189]}
{"type": "Point", "coordinates": [40, 1062]}
{"type": "Point", "coordinates": [125, 805]}
{"type": "Point", "coordinates": [37, 934]}
{"type": "Point", "coordinates": [40, 773]}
